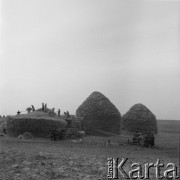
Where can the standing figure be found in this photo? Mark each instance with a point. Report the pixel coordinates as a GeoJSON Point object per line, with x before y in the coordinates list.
{"type": "Point", "coordinates": [67, 114]}
{"type": "Point", "coordinates": [42, 106]}
{"type": "Point", "coordinates": [33, 109]}
{"type": "Point", "coordinates": [59, 112]}
{"type": "Point", "coordinates": [18, 112]}
{"type": "Point", "coordinates": [45, 107]}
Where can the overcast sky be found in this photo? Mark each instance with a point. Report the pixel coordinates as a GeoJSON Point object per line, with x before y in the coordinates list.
{"type": "Point", "coordinates": [60, 51]}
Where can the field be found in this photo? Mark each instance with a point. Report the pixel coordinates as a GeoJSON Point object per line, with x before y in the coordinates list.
{"type": "Point", "coordinates": [44, 159]}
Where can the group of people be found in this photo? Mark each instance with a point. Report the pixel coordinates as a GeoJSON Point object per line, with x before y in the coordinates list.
{"type": "Point", "coordinates": [44, 108]}
{"type": "Point", "coordinates": [58, 134]}
{"type": "Point", "coordinates": [59, 112]}
{"type": "Point", "coordinates": [148, 138]}
{"type": "Point", "coordinates": [33, 109]}
{"type": "Point", "coordinates": [67, 114]}
{"type": "Point", "coordinates": [29, 109]}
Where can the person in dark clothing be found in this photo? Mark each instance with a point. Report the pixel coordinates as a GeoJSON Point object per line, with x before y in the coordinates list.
{"type": "Point", "coordinates": [152, 141]}
{"type": "Point", "coordinates": [18, 112]}
{"type": "Point", "coordinates": [59, 112]}
{"type": "Point", "coordinates": [148, 139]}
{"type": "Point", "coordinates": [42, 106]}
{"type": "Point", "coordinates": [33, 109]}
{"type": "Point", "coordinates": [67, 114]}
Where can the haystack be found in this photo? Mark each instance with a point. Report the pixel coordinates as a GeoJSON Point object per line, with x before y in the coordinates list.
{"type": "Point", "coordinates": [139, 118]}
{"type": "Point", "coordinates": [38, 123]}
{"type": "Point", "coordinates": [2, 124]}
{"type": "Point", "coordinates": [98, 115]}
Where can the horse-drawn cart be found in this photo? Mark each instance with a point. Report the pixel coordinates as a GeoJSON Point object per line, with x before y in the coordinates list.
{"type": "Point", "coordinates": [143, 140]}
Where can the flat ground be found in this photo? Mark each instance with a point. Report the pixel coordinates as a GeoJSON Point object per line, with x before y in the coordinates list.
{"type": "Point", "coordinates": [44, 159]}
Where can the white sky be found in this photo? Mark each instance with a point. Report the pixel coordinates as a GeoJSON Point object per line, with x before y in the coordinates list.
{"type": "Point", "coordinates": [60, 51]}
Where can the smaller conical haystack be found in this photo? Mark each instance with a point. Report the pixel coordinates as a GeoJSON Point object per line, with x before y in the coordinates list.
{"type": "Point", "coordinates": [99, 114]}
{"type": "Point", "coordinates": [139, 118]}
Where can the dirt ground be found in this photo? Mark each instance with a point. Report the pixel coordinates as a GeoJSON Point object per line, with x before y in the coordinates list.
{"type": "Point", "coordinates": [42, 159]}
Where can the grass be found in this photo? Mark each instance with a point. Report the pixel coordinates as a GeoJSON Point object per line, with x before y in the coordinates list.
{"type": "Point", "coordinates": [168, 126]}
{"type": "Point", "coordinates": [87, 156]}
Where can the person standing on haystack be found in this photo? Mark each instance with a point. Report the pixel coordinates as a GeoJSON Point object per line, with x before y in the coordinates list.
{"type": "Point", "coordinates": [45, 107]}
{"type": "Point", "coordinates": [67, 114]}
{"type": "Point", "coordinates": [59, 112]}
{"type": "Point", "coordinates": [42, 106]}
{"type": "Point", "coordinates": [33, 109]}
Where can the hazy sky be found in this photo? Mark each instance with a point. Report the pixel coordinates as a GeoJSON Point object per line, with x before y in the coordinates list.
{"type": "Point", "coordinates": [60, 51]}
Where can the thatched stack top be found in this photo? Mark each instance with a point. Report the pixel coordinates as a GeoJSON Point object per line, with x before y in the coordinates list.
{"type": "Point", "coordinates": [139, 118]}
{"type": "Point", "coordinates": [98, 113]}
{"type": "Point", "coordinates": [37, 115]}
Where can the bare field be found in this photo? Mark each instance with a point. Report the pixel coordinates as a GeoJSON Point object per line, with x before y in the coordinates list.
{"type": "Point", "coordinates": [44, 159]}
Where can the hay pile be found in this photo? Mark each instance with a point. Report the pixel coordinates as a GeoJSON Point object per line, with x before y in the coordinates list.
{"type": "Point", "coordinates": [139, 118]}
{"type": "Point", "coordinates": [25, 135]}
{"type": "Point", "coordinates": [2, 124]}
{"type": "Point", "coordinates": [98, 113]}
{"type": "Point", "coordinates": [47, 110]}
{"type": "Point", "coordinates": [37, 123]}
{"type": "Point", "coordinates": [2, 120]}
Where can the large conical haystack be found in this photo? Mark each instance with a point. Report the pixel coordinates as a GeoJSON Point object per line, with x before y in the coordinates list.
{"type": "Point", "coordinates": [98, 114]}
{"type": "Point", "coordinates": [139, 118]}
